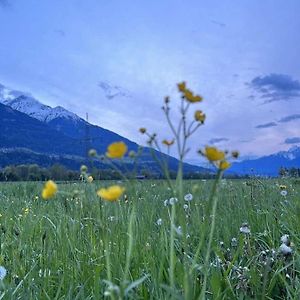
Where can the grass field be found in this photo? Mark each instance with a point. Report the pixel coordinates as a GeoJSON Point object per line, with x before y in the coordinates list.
{"type": "Point", "coordinates": [76, 246]}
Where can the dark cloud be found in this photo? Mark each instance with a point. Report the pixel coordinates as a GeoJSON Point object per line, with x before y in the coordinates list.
{"type": "Point", "coordinates": [218, 23]}
{"type": "Point", "coordinates": [112, 91]}
{"type": "Point", "coordinates": [276, 87]}
{"type": "Point", "coordinates": [293, 140]}
{"type": "Point", "coordinates": [289, 118]}
{"type": "Point", "coordinates": [5, 3]}
{"type": "Point", "coordinates": [218, 140]}
{"type": "Point", "coordinates": [267, 125]}
{"type": "Point", "coordinates": [60, 32]}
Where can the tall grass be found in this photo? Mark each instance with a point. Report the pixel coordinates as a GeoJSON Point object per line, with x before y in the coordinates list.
{"type": "Point", "coordinates": [76, 246]}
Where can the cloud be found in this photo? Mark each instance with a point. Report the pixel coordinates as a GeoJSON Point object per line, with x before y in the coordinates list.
{"type": "Point", "coordinates": [267, 125]}
{"type": "Point", "coordinates": [289, 118]}
{"type": "Point", "coordinates": [294, 140]}
{"type": "Point", "coordinates": [112, 91]}
{"type": "Point", "coordinates": [218, 23]}
{"type": "Point", "coordinates": [218, 140]}
{"type": "Point", "coordinates": [276, 87]}
{"type": "Point", "coordinates": [5, 3]}
{"type": "Point", "coordinates": [60, 32]}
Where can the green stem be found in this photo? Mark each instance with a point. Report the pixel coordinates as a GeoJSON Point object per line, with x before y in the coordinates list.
{"type": "Point", "coordinates": [211, 234]}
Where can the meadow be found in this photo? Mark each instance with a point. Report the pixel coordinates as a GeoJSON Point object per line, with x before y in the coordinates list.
{"type": "Point", "coordinates": [149, 244]}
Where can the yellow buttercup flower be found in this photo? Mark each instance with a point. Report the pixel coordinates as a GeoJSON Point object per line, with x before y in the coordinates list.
{"type": "Point", "coordinates": [168, 143]}
{"type": "Point", "coordinates": [199, 116]}
{"type": "Point", "coordinates": [116, 150]}
{"type": "Point", "coordinates": [49, 190]}
{"type": "Point", "coordinates": [143, 130]}
{"type": "Point", "coordinates": [224, 164]}
{"type": "Point", "coordinates": [111, 193]}
{"type": "Point", "coordinates": [181, 86]}
{"type": "Point", "coordinates": [190, 97]}
{"type": "Point", "coordinates": [213, 154]}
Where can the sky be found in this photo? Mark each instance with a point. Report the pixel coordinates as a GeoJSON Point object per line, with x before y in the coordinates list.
{"type": "Point", "coordinates": [117, 60]}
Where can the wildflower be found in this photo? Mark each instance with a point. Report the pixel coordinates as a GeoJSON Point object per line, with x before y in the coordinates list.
{"type": "Point", "coordinates": [199, 116]}
{"type": "Point", "coordinates": [159, 222]}
{"type": "Point", "coordinates": [190, 97]}
{"type": "Point", "coordinates": [83, 169]}
{"type": "Point", "coordinates": [178, 229]}
{"type": "Point", "coordinates": [181, 86]}
{"type": "Point", "coordinates": [26, 210]}
{"type": "Point", "coordinates": [3, 272]}
{"type": "Point", "coordinates": [234, 242]}
{"type": "Point", "coordinates": [235, 154]}
{"type": "Point", "coordinates": [90, 179]}
{"type": "Point", "coordinates": [285, 239]}
{"type": "Point", "coordinates": [111, 218]}
{"type": "Point", "coordinates": [282, 187]}
{"type": "Point", "coordinates": [111, 193]}
{"type": "Point", "coordinates": [116, 150]}
{"type": "Point", "coordinates": [49, 190]}
{"type": "Point", "coordinates": [188, 197]}
{"type": "Point", "coordinates": [143, 130]}
{"type": "Point", "coordinates": [168, 143]}
{"type": "Point", "coordinates": [185, 207]}
{"type": "Point", "coordinates": [285, 250]}
{"type": "Point", "coordinates": [173, 200]}
{"type": "Point", "coordinates": [245, 228]}
{"type": "Point", "coordinates": [213, 154]}
{"type": "Point", "coordinates": [92, 153]}
{"type": "Point", "coordinates": [132, 154]}
{"type": "Point", "coordinates": [283, 193]}
{"type": "Point", "coordinates": [166, 202]}
{"type": "Point", "coordinates": [224, 164]}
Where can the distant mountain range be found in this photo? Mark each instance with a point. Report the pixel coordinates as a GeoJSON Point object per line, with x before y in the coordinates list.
{"type": "Point", "coordinates": [269, 165]}
{"type": "Point", "coordinates": [31, 132]}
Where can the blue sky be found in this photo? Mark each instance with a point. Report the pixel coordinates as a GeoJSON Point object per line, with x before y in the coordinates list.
{"type": "Point", "coordinates": [116, 60]}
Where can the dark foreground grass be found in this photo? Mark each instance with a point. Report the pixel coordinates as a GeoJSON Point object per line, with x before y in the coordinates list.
{"type": "Point", "coordinates": [76, 246]}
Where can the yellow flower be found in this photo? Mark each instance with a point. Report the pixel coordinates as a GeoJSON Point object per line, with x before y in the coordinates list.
{"type": "Point", "coordinates": [168, 143]}
{"type": "Point", "coordinates": [199, 116]}
{"type": "Point", "coordinates": [90, 179]}
{"type": "Point", "coordinates": [181, 86]}
{"type": "Point", "coordinates": [143, 130]}
{"type": "Point", "coordinates": [190, 97]}
{"type": "Point", "coordinates": [116, 150]}
{"type": "Point", "coordinates": [26, 210]}
{"type": "Point", "coordinates": [282, 187]}
{"type": "Point", "coordinates": [111, 193]}
{"type": "Point", "coordinates": [213, 154]}
{"type": "Point", "coordinates": [49, 190]}
{"type": "Point", "coordinates": [224, 164]}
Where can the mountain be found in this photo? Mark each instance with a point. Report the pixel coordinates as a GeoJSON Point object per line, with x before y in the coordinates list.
{"type": "Point", "coordinates": [269, 165]}
{"type": "Point", "coordinates": [33, 132]}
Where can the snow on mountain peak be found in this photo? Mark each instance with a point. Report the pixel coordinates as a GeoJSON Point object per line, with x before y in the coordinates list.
{"type": "Point", "coordinates": [27, 104]}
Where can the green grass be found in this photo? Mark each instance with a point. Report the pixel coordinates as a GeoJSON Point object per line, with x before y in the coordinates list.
{"type": "Point", "coordinates": [76, 246]}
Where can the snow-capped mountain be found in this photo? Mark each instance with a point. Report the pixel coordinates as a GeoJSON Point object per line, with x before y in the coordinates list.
{"type": "Point", "coordinates": [269, 165]}
{"type": "Point", "coordinates": [27, 104]}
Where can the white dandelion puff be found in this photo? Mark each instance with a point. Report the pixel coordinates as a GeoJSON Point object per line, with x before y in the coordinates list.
{"type": "Point", "coordinates": [188, 197]}
{"type": "Point", "coordinates": [245, 229]}
{"type": "Point", "coordinates": [173, 200]}
{"type": "Point", "coordinates": [283, 193]}
{"type": "Point", "coordinates": [185, 207]}
{"type": "Point", "coordinates": [285, 239]}
{"type": "Point", "coordinates": [159, 222]}
{"type": "Point", "coordinates": [285, 250]}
